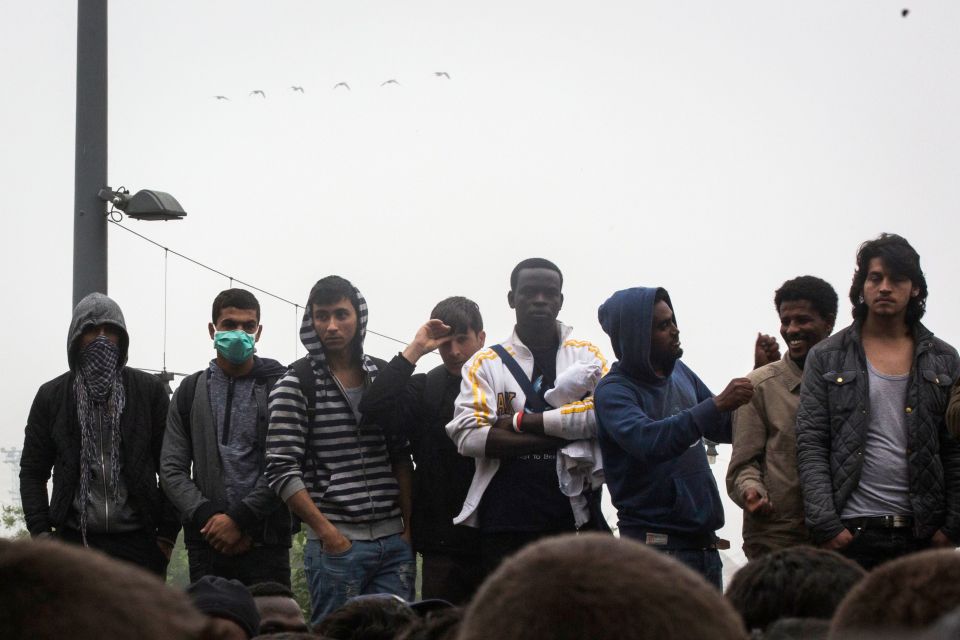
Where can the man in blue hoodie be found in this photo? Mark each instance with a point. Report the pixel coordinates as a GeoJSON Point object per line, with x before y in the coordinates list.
{"type": "Point", "coordinates": [652, 414]}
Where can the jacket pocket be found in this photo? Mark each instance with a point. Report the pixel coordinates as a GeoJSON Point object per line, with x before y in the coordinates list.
{"type": "Point", "coordinates": [695, 500]}
{"type": "Point", "coordinates": [935, 389]}
{"type": "Point", "coordinates": [842, 396]}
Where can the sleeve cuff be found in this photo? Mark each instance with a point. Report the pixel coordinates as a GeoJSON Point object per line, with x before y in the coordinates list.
{"type": "Point", "coordinates": [292, 486]}
{"type": "Point", "coordinates": [552, 423]}
{"type": "Point", "coordinates": [205, 511]}
{"type": "Point", "coordinates": [244, 516]}
{"type": "Point", "coordinates": [704, 414]}
{"type": "Point", "coordinates": [403, 364]}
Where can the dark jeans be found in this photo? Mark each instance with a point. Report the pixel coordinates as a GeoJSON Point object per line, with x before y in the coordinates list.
{"type": "Point", "coordinates": [137, 547]}
{"type": "Point", "coordinates": [706, 562]}
{"type": "Point", "coordinates": [260, 564]}
{"type": "Point", "coordinates": [871, 547]}
{"type": "Point", "coordinates": [454, 578]}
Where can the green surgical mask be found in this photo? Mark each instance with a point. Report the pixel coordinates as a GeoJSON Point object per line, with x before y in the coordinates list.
{"type": "Point", "coordinates": [236, 346]}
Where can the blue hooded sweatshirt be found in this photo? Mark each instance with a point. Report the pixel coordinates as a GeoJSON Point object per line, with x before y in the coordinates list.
{"type": "Point", "coordinates": [650, 429]}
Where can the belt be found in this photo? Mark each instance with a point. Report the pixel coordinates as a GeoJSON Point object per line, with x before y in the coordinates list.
{"type": "Point", "coordinates": [880, 522]}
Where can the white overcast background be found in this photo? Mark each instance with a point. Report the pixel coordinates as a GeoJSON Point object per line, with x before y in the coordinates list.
{"type": "Point", "coordinates": [713, 148]}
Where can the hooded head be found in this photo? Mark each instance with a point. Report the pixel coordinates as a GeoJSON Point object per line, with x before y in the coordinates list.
{"type": "Point", "coordinates": [326, 291]}
{"type": "Point", "coordinates": [627, 317]}
{"type": "Point", "coordinates": [94, 310]}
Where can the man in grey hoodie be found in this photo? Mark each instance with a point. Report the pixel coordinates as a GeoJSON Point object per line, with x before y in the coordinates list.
{"type": "Point", "coordinates": [99, 427]}
{"type": "Point", "coordinates": [212, 466]}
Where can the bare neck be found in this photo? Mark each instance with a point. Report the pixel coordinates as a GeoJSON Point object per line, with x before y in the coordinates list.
{"type": "Point", "coordinates": [885, 328]}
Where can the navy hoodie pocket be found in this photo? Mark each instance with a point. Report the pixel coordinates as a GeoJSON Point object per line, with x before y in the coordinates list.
{"type": "Point", "coordinates": [694, 503]}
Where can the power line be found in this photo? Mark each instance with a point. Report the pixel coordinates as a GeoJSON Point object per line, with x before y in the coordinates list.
{"type": "Point", "coordinates": [232, 279]}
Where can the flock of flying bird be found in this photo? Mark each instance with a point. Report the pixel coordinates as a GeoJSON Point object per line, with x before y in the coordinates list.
{"type": "Point", "coordinates": [299, 89]}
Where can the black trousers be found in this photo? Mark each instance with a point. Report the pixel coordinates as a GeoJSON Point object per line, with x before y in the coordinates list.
{"type": "Point", "coordinates": [451, 577]}
{"type": "Point", "coordinates": [137, 547]}
{"type": "Point", "coordinates": [871, 547]}
{"type": "Point", "coordinates": [259, 564]}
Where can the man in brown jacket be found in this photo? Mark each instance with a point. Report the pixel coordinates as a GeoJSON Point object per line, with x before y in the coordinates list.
{"type": "Point", "coordinates": [762, 477]}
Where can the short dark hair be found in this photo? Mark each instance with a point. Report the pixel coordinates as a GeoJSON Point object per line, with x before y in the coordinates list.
{"type": "Point", "coordinates": [532, 263]}
{"type": "Point", "coordinates": [596, 586]}
{"type": "Point", "coordinates": [267, 589]}
{"type": "Point", "coordinates": [799, 582]}
{"type": "Point", "coordinates": [92, 595]}
{"type": "Point", "coordinates": [910, 592]}
{"type": "Point", "coordinates": [371, 618]}
{"type": "Point", "coordinates": [459, 313]}
{"type": "Point", "coordinates": [902, 260]}
{"type": "Point", "coordinates": [814, 290]}
{"type": "Point", "coordinates": [333, 289]}
{"type": "Point", "coordinates": [236, 298]}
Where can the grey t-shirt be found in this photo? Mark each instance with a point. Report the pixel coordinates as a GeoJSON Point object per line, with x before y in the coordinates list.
{"type": "Point", "coordinates": [884, 488]}
{"type": "Point", "coordinates": [354, 396]}
{"type": "Point", "coordinates": [235, 413]}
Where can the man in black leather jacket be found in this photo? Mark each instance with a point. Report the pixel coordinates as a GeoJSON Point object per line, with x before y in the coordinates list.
{"type": "Point", "coordinates": [99, 427]}
{"type": "Point", "coordinates": [880, 473]}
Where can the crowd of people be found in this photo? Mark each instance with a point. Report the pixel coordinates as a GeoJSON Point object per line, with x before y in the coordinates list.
{"type": "Point", "coordinates": [491, 467]}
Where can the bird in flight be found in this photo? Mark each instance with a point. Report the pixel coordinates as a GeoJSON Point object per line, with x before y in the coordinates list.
{"type": "Point", "coordinates": [297, 88]}
{"type": "Point", "coordinates": [390, 81]}
{"type": "Point", "coordinates": [221, 97]}
{"type": "Point", "coordinates": [342, 84]}
{"type": "Point", "coordinates": [258, 92]}
{"type": "Point", "coordinates": [442, 74]}
{"type": "Point", "coordinates": [905, 13]}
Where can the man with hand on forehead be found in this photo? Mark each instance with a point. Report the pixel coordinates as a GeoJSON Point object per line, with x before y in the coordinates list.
{"type": "Point", "coordinates": [423, 404]}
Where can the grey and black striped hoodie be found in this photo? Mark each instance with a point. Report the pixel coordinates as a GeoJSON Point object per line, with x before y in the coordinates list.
{"type": "Point", "coordinates": [345, 466]}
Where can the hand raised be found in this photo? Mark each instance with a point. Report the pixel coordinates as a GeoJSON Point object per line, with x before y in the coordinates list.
{"type": "Point", "coordinates": [765, 350]}
{"type": "Point", "coordinates": [738, 393]}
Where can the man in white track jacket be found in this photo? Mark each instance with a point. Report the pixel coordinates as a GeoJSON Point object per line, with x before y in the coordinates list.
{"type": "Point", "coordinates": [514, 424]}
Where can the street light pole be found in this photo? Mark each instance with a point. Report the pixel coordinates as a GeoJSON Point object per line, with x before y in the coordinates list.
{"type": "Point", "coordinates": [89, 211]}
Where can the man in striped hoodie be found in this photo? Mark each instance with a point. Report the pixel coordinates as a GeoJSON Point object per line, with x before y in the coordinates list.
{"type": "Point", "coordinates": [342, 475]}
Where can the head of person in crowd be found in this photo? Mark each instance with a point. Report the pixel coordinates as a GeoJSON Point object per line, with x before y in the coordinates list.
{"type": "Point", "coordinates": [97, 330]}
{"type": "Point", "coordinates": [438, 624]}
{"type": "Point", "coordinates": [277, 607]}
{"type": "Point", "coordinates": [799, 582]}
{"type": "Point", "coordinates": [807, 307]}
{"type": "Point", "coordinates": [888, 280]}
{"type": "Point", "coordinates": [228, 604]}
{"type": "Point", "coordinates": [463, 317]}
{"type": "Point", "coordinates": [380, 616]}
{"type": "Point", "coordinates": [288, 635]}
{"type": "Point", "coordinates": [536, 295]}
{"type": "Point", "coordinates": [644, 336]}
{"type": "Point", "coordinates": [597, 586]}
{"type": "Point", "coordinates": [338, 318]}
{"type": "Point", "coordinates": [53, 590]}
{"type": "Point", "coordinates": [235, 328]}
{"type": "Point", "coordinates": [908, 593]}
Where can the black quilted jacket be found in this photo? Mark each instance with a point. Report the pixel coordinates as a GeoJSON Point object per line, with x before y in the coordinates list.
{"type": "Point", "coordinates": [831, 431]}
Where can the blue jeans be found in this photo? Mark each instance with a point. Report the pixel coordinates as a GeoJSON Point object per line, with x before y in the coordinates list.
{"type": "Point", "coordinates": [385, 565]}
{"type": "Point", "coordinates": [706, 562]}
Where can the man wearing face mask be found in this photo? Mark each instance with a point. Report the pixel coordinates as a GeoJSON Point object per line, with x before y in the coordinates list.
{"type": "Point", "coordinates": [235, 526]}
{"type": "Point", "coordinates": [99, 427]}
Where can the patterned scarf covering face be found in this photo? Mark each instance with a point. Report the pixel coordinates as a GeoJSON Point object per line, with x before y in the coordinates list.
{"type": "Point", "coordinates": [98, 388]}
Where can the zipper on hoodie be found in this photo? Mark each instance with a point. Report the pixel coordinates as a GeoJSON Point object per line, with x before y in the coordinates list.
{"type": "Point", "coordinates": [227, 411]}
{"type": "Point", "coordinates": [103, 475]}
{"type": "Point", "coordinates": [363, 459]}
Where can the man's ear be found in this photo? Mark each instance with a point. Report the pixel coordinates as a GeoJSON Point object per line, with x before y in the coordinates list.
{"type": "Point", "coordinates": [212, 329]}
{"type": "Point", "coordinates": [256, 336]}
{"type": "Point", "coordinates": [482, 336]}
{"type": "Point", "coordinates": [510, 299]}
{"type": "Point", "coordinates": [561, 301]}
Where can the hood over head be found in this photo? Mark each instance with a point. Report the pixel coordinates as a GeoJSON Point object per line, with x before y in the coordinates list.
{"type": "Point", "coordinates": [627, 317]}
{"type": "Point", "coordinates": [310, 339]}
{"type": "Point", "coordinates": [93, 310]}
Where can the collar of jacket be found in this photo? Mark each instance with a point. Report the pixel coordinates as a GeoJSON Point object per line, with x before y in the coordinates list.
{"type": "Point", "coordinates": [922, 337]}
{"type": "Point", "coordinates": [521, 352]}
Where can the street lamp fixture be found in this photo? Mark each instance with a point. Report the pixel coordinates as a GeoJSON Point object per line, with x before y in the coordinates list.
{"type": "Point", "coordinates": [145, 204]}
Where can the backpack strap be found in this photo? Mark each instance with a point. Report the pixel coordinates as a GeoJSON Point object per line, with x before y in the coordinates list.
{"type": "Point", "coordinates": [534, 402]}
{"type": "Point", "coordinates": [186, 392]}
{"type": "Point", "coordinates": [308, 385]}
